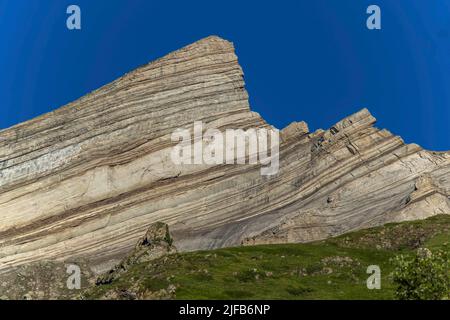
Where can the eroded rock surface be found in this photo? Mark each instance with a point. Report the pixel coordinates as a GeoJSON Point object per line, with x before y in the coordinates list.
{"type": "Point", "coordinates": [87, 180]}
{"type": "Point", "coordinates": [156, 243]}
{"type": "Point", "coordinates": [46, 280]}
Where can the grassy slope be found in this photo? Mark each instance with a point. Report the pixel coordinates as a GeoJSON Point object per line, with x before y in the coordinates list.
{"type": "Point", "coordinates": [331, 269]}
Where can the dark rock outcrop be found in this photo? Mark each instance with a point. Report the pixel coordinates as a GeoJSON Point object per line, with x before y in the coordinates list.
{"type": "Point", "coordinates": [156, 243]}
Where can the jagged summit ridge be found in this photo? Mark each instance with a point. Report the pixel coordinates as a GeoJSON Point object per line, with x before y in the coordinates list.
{"type": "Point", "coordinates": [88, 179]}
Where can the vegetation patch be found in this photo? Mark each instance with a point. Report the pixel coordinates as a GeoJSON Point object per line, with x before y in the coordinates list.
{"type": "Point", "coordinates": [332, 269]}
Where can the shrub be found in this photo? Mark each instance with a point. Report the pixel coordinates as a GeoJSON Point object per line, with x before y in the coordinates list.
{"type": "Point", "coordinates": [249, 275]}
{"type": "Point", "coordinates": [422, 276]}
{"type": "Point", "coordinates": [298, 290]}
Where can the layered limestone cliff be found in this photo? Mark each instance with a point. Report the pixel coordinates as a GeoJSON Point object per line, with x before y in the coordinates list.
{"type": "Point", "coordinates": [87, 180]}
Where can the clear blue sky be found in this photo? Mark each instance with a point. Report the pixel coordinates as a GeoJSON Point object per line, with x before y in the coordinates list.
{"type": "Point", "coordinates": [303, 60]}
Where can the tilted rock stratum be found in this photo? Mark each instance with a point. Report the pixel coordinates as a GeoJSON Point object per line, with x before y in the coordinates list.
{"type": "Point", "coordinates": [87, 180]}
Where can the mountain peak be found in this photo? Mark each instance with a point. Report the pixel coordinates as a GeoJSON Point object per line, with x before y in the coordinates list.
{"type": "Point", "coordinates": [87, 180]}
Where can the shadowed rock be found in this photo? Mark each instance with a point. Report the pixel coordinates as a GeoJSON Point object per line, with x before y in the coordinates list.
{"type": "Point", "coordinates": [156, 242]}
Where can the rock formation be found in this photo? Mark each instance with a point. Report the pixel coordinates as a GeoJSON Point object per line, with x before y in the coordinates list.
{"type": "Point", "coordinates": [157, 242]}
{"type": "Point", "coordinates": [48, 280]}
{"type": "Point", "coordinates": [44, 280]}
{"type": "Point", "coordinates": [87, 180]}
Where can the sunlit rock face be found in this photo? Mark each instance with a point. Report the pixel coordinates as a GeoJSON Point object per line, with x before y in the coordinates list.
{"type": "Point", "coordinates": [87, 180]}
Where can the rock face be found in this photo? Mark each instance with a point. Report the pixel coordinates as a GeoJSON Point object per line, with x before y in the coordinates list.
{"type": "Point", "coordinates": [157, 242]}
{"type": "Point", "coordinates": [87, 180]}
{"type": "Point", "coordinates": [44, 280]}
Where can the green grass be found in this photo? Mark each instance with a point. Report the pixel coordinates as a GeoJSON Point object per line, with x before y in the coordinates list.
{"type": "Point", "coordinates": [331, 269]}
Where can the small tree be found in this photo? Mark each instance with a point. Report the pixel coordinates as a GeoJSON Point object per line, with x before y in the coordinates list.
{"type": "Point", "coordinates": [423, 276]}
